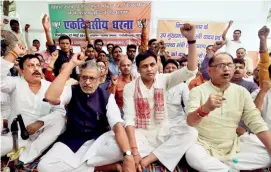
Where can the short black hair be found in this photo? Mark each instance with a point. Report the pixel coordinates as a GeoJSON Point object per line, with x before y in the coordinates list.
{"type": "Point", "coordinates": [239, 61]}
{"type": "Point", "coordinates": [183, 59]}
{"type": "Point", "coordinates": [90, 46]}
{"type": "Point", "coordinates": [131, 46]}
{"type": "Point", "coordinates": [102, 51]}
{"type": "Point", "coordinates": [240, 49]}
{"type": "Point", "coordinates": [171, 61]}
{"type": "Point", "coordinates": [143, 56]}
{"type": "Point", "coordinates": [116, 46]}
{"type": "Point", "coordinates": [27, 57]}
{"type": "Point", "coordinates": [237, 30]}
{"type": "Point", "coordinates": [211, 61]}
{"type": "Point", "coordinates": [35, 40]}
{"type": "Point", "coordinates": [109, 45]}
{"type": "Point", "coordinates": [98, 40]}
{"type": "Point", "coordinates": [151, 41]}
{"type": "Point", "coordinates": [13, 22]}
{"type": "Point", "coordinates": [62, 37]}
{"type": "Point", "coordinates": [209, 46]}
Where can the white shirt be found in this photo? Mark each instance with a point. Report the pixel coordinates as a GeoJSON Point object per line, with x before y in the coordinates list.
{"type": "Point", "coordinates": [112, 110]}
{"type": "Point", "coordinates": [176, 98]}
{"type": "Point", "coordinates": [23, 101]}
{"type": "Point", "coordinates": [232, 46]}
{"type": "Point", "coordinates": [266, 109]}
{"type": "Point", "coordinates": [156, 131]}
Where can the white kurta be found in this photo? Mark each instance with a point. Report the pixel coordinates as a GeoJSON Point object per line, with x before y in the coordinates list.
{"type": "Point", "coordinates": [32, 108]}
{"type": "Point", "coordinates": [177, 99]}
{"type": "Point", "coordinates": [266, 109]}
{"type": "Point", "coordinates": [161, 136]}
{"type": "Point", "coordinates": [61, 158]}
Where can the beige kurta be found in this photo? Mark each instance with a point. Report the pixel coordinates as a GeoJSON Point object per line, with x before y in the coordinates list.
{"type": "Point", "coordinates": [217, 131]}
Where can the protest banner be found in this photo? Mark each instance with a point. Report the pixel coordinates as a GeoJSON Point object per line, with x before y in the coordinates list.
{"type": "Point", "coordinates": [206, 34]}
{"type": "Point", "coordinates": [113, 22]}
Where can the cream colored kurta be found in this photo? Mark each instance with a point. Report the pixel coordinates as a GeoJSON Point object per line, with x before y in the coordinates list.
{"type": "Point", "coordinates": [156, 132]}
{"type": "Point", "coordinates": [217, 131]}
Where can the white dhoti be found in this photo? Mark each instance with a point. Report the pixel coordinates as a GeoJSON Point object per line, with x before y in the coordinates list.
{"type": "Point", "coordinates": [169, 152]}
{"type": "Point", "coordinates": [253, 155]}
{"type": "Point", "coordinates": [62, 159]}
{"type": "Point", "coordinates": [34, 147]}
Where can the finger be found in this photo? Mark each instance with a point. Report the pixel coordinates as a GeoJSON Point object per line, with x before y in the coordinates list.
{"type": "Point", "coordinates": [139, 168]}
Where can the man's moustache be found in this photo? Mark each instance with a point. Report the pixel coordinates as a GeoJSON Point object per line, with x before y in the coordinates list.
{"type": "Point", "coordinates": [36, 73]}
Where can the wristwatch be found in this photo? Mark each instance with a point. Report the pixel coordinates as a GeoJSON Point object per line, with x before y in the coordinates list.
{"type": "Point", "coordinates": [127, 153]}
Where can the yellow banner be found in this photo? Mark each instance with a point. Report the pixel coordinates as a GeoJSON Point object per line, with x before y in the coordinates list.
{"type": "Point", "coordinates": [206, 34]}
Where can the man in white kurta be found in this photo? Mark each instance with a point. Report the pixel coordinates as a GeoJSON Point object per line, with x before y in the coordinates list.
{"type": "Point", "coordinates": [150, 134]}
{"type": "Point", "coordinates": [31, 106]}
{"type": "Point", "coordinates": [215, 109]}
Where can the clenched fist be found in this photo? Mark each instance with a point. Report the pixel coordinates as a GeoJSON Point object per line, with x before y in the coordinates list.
{"type": "Point", "coordinates": [214, 101]}
{"type": "Point", "coordinates": [189, 31]}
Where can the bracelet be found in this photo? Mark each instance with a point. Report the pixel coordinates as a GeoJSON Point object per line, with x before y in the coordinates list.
{"type": "Point", "coordinates": [201, 113]}
{"type": "Point", "coordinates": [262, 51]}
{"type": "Point", "coordinates": [13, 53]}
{"type": "Point", "coordinates": [191, 42]}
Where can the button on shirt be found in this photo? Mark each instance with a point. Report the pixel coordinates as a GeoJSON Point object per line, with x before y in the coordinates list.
{"type": "Point", "coordinates": [23, 101]}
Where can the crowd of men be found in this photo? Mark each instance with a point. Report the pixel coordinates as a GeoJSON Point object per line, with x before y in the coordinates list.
{"type": "Point", "coordinates": [97, 109]}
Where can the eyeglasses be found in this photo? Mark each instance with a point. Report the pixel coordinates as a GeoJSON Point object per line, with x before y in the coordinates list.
{"type": "Point", "coordinates": [91, 79]}
{"type": "Point", "coordinates": [101, 67]}
{"type": "Point", "coordinates": [223, 65]}
{"type": "Point", "coordinates": [132, 51]}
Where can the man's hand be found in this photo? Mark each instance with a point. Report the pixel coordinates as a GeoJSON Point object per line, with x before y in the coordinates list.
{"type": "Point", "coordinates": [263, 33]}
{"type": "Point", "coordinates": [33, 49]}
{"type": "Point", "coordinates": [265, 86]}
{"type": "Point", "coordinates": [137, 159]}
{"type": "Point", "coordinates": [230, 23]}
{"type": "Point", "coordinates": [128, 164]}
{"type": "Point", "coordinates": [214, 101]}
{"type": "Point", "coordinates": [87, 22]}
{"type": "Point", "coordinates": [240, 131]}
{"type": "Point", "coordinates": [54, 54]}
{"type": "Point", "coordinates": [83, 46]}
{"type": "Point", "coordinates": [144, 22]}
{"type": "Point", "coordinates": [19, 49]}
{"type": "Point", "coordinates": [34, 127]}
{"type": "Point", "coordinates": [46, 22]}
{"type": "Point", "coordinates": [78, 59]}
{"type": "Point", "coordinates": [189, 31]}
{"type": "Point", "coordinates": [27, 26]}
{"type": "Point", "coordinates": [218, 45]}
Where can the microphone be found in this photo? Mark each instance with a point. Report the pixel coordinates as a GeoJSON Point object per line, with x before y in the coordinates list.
{"type": "Point", "coordinates": [24, 133]}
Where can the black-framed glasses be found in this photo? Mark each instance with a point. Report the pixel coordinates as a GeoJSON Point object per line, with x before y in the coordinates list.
{"type": "Point", "coordinates": [91, 79]}
{"type": "Point", "coordinates": [223, 65]}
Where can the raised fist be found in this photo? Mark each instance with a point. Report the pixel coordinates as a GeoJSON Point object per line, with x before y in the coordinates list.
{"type": "Point", "coordinates": [263, 33]}
{"type": "Point", "coordinates": [189, 31]}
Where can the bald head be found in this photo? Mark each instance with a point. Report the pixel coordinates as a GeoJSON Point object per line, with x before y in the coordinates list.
{"type": "Point", "coordinates": [125, 61]}
{"type": "Point", "coordinates": [125, 66]}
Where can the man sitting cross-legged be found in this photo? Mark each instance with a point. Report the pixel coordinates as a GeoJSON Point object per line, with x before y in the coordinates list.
{"type": "Point", "coordinates": [91, 111]}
